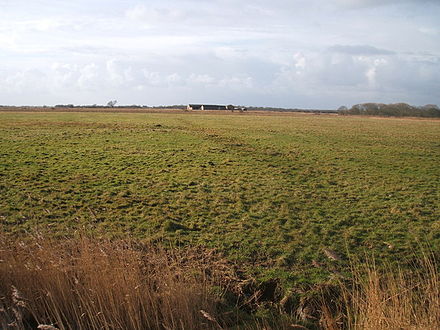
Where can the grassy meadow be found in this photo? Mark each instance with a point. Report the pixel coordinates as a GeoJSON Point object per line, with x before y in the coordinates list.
{"type": "Point", "coordinates": [275, 193]}
{"type": "Point", "coordinates": [260, 215]}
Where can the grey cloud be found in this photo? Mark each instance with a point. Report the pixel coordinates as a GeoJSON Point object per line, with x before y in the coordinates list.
{"type": "Point", "coordinates": [376, 3]}
{"type": "Point", "coordinates": [246, 52]}
{"type": "Point", "coordinates": [360, 50]}
{"type": "Point", "coordinates": [342, 78]}
{"type": "Point", "coordinates": [147, 13]}
{"type": "Point", "coordinates": [412, 75]}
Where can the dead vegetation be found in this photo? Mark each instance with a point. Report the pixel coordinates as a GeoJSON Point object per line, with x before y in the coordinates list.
{"type": "Point", "coordinates": [80, 284]}
{"type": "Point", "coordinates": [391, 298]}
{"type": "Point", "coordinates": [85, 283]}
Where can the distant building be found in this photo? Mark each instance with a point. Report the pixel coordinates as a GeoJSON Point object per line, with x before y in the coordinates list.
{"type": "Point", "coordinates": [214, 107]}
{"type": "Point", "coordinates": [206, 107]}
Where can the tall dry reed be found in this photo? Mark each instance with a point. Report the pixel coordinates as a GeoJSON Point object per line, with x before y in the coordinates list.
{"type": "Point", "coordinates": [84, 283]}
{"type": "Point", "coordinates": [87, 284]}
{"type": "Point", "coordinates": [379, 298]}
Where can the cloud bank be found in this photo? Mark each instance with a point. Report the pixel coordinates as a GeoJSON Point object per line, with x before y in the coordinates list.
{"type": "Point", "coordinates": [311, 54]}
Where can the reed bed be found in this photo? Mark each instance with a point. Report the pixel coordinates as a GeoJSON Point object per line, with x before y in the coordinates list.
{"type": "Point", "coordinates": [387, 297]}
{"type": "Point", "coordinates": [87, 283]}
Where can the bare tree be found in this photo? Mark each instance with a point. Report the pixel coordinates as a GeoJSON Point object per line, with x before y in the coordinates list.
{"type": "Point", "coordinates": [111, 104]}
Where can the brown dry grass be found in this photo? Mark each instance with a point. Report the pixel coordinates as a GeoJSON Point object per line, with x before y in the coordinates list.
{"type": "Point", "coordinates": [84, 284]}
{"type": "Point", "coordinates": [377, 299]}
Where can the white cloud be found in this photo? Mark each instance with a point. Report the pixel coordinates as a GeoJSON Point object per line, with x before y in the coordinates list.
{"type": "Point", "coordinates": [152, 78]}
{"type": "Point", "coordinates": [364, 50]}
{"type": "Point", "coordinates": [89, 77]}
{"type": "Point", "coordinates": [300, 62]}
{"type": "Point", "coordinates": [116, 77]}
{"type": "Point", "coordinates": [299, 53]}
{"type": "Point", "coordinates": [230, 53]}
{"type": "Point", "coordinates": [64, 76]}
{"type": "Point", "coordinates": [429, 31]}
{"type": "Point", "coordinates": [236, 82]}
{"type": "Point", "coordinates": [204, 79]}
{"type": "Point", "coordinates": [147, 14]}
{"type": "Point", "coordinates": [174, 79]}
{"type": "Point", "coordinates": [373, 3]}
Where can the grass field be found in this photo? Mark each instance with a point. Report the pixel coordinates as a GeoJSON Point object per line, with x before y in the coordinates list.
{"type": "Point", "coordinates": [274, 193]}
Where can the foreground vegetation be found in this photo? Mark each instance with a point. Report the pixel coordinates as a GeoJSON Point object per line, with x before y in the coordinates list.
{"type": "Point", "coordinates": [85, 283]}
{"type": "Point", "coordinates": [290, 198]}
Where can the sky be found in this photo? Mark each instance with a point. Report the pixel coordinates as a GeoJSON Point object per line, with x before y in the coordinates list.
{"type": "Point", "coordinates": [281, 53]}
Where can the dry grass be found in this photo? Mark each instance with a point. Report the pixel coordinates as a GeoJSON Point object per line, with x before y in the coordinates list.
{"type": "Point", "coordinates": [388, 299]}
{"type": "Point", "coordinates": [82, 284]}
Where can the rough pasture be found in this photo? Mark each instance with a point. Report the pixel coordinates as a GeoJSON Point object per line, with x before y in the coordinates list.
{"type": "Point", "coordinates": [274, 192]}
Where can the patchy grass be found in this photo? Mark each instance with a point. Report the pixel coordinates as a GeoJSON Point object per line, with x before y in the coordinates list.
{"type": "Point", "coordinates": [271, 192]}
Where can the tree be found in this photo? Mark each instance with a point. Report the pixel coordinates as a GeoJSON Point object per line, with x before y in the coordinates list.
{"type": "Point", "coordinates": [343, 110]}
{"type": "Point", "coordinates": [395, 109]}
{"type": "Point", "coordinates": [111, 104]}
{"type": "Point", "coordinates": [430, 106]}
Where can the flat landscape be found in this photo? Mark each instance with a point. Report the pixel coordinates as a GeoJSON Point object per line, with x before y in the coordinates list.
{"type": "Point", "coordinates": [275, 193]}
{"type": "Point", "coordinates": [242, 165]}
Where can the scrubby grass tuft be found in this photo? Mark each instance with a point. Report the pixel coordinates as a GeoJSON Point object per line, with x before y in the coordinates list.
{"type": "Point", "coordinates": [387, 298]}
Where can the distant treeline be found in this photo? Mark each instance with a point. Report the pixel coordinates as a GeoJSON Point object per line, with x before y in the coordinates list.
{"type": "Point", "coordinates": [391, 110]}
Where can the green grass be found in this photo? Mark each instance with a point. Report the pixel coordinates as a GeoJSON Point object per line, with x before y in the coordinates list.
{"type": "Point", "coordinates": [269, 191]}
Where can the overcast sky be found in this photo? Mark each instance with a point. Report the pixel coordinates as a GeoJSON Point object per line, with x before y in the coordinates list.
{"type": "Point", "coordinates": [286, 53]}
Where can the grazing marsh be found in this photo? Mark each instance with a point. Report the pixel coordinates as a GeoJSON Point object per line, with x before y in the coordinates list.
{"type": "Point", "coordinates": [269, 191]}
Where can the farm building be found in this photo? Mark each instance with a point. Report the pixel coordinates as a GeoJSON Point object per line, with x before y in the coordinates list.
{"type": "Point", "coordinates": [207, 107]}
{"type": "Point", "coordinates": [215, 107]}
